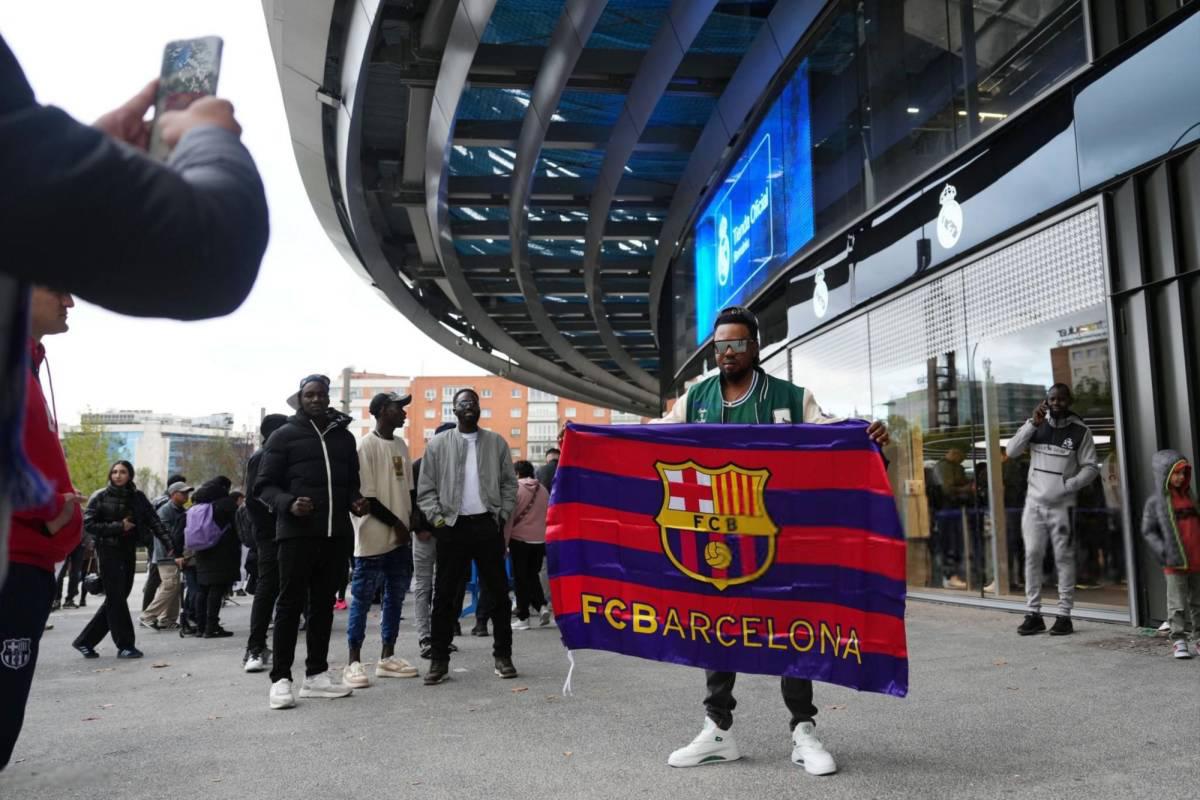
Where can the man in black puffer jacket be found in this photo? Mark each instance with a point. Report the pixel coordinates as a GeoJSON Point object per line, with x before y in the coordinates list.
{"type": "Point", "coordinates": [309, 477]}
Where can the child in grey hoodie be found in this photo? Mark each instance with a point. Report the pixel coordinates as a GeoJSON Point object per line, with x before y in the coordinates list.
{"type": "Point", "coordinates": [1171, 527]}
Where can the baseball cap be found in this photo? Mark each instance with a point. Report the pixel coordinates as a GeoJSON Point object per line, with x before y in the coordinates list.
{"type": "Point", "coordinates": [383, 398]}
{"type": "Point", "coordinates": [178, 486]}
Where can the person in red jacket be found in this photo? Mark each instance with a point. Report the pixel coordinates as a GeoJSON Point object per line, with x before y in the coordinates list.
{"type": "Point", "coordinates": [40, 537]}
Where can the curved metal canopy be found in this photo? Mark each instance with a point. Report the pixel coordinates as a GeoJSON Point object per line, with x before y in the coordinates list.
{"type": "Point", "coordinates": [502, 170]}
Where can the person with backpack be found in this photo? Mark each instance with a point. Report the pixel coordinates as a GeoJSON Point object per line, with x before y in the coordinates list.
{"type": "Point", "coordinates": [525, 534]}
{"type": "Point", "coordinates": [309, 475]}
{"type": "Point", "coordinates": [211, 536]}
{"type": "Point", "coordinates": [162, 611]}
{"type": "Point", "coordinates": [113, 517]}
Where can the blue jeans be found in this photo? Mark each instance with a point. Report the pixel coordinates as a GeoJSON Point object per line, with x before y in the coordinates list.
{"type": "Point", "coordinates": [392, 571]}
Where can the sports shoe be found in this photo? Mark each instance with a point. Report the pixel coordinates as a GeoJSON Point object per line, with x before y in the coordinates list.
{"type": "Point", "coordinates": [340, 605]}
{"type": "Point", "coordinates": [282, 695]}
{"type": "Point", "coordinates": [322, 685]}
{"type": "Point", "coordinates": [521, 625]}
{"type": "Point", "coordinates": [168, 626]}
{"type": "Point", "coordinates": [436, 672]}
{"type": "Point", "coordinates": [186, 630]}
{"type": "Point", "coordinates": [1165, 627]}
{"type": "Point", "coordinates": [1180, 649]}
{"type": "Point", "coordinates": [69, 604]}
{"type": "Point", "coordinates": [355, 675]}
{"type": "Point", "coordinates": [152, 624]}
{"type": "Point", "coordinates": [130, 652]}
{"type": "Point", "coordinates": [953, 582]}
{"type": "Point", "coordinates": [254, 662]}
{"type": "Point", "coordinates": [544, 617]}
{"type": "Point", "coordinates": [1062, 627]}
{"type": "Point", "coordinates": [711, 746]}
{"type": "Point", "coordinates": [394, 667]}
{"type": "Point", "coordinates": [88, 652]}
{"type": "Point", "coordinates": [505, 668]}
{"type": "Point", "coordinates": [1033, 624]}
{"type": "Point", "coordinates": [480, 630]}
{"type": "Point", "coordinates": [808, 752]}
{"type": "Point", "coordinates": [217, 633]}
{"type": "Point", "coordinates": [426, 649]}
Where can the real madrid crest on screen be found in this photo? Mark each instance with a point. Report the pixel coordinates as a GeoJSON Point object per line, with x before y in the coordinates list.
{"type": "Point", "coordinates": [820, 294]}
{"type": "Point", "coordinates": [714, 522]}
{"type": "Point", "coordinates": [950, 218]}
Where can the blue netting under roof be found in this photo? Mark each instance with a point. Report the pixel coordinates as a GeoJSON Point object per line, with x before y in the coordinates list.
{"type": "Point", "coordinates": [557, 215]}
{"type": "Point", "coordinates": [639, 214]}
{"type": "Point", "coordinates": [629, 24]}
{"type": "Point", "coordinates": [493, 104]}
{"type": "Point", "coordinates": [678, 109]}
{"type": "Point", "coordinates": [482, 247]}
{"type": "Point", "coordinates": [523, 22]}
{"type": "Point", "coordinates": [587, 108]}
{"type": "Point", "coordinates": [572, 249]}
{"type": "Point", "coordinates": [730, 34]}
{"type": "Point", "coordinates": [481, 160]}
{"type": "Point", "coordinates": [479, 213]}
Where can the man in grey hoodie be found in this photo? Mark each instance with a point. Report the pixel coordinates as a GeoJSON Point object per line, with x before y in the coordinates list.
{"type": "Point", "coordinates": [1062, 461]}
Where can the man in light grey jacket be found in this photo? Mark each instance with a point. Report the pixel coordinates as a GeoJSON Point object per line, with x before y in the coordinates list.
{"type": "Point", "coordinates": [467, 490]}
{"type": "Point", "coordinates": [1062, 461]}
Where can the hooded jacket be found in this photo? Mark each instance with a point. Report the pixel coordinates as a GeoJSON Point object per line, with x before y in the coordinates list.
{"type": "Point", "coordinates": [317, 459]}
{"type": "Point", "coordinates": [31, 543]}
{"type": "Point", "coordinates": [109, 507]}
{"type": "Point", "coordinates": [1160, 523]}
{"type": "Point", "coordinates": [1062, 459]}
{"type": "Point", "coordinates": [221, 563]}
{"type": "Point", "coordinates": [528, 522]}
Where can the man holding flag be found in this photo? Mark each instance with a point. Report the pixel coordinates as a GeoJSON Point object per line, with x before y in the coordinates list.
{"type": "Point", "coordinates": [742, 393]}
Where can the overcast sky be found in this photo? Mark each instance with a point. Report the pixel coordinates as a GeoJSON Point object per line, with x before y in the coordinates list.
{"type": "Point", "coordinates": [309, 311]}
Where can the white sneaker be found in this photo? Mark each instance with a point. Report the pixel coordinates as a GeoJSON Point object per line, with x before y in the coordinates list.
{"type": "Point", "coordinates": [808, 752]}
{"type": "Point", "coordinates": [355, 675]}
{"type": "Point", "coordinates": [255, 663]}
{"type": "Point", "coordinates": [545, 617]}
{"type": "Point", "coordinates": [1180, 648]}
{"type": "Point", "coordinates": [394, 667]}
{"type": "Point", "coordinates": [1165, 627]}
{"type": "Point", "coordinates": [711, 746]}
{"type": "Point", "coordinates": [521, 625]}
{"type": "Point", "coordinates": [323, 686]}
{"type": "Point", "coordinates": [281, 694]}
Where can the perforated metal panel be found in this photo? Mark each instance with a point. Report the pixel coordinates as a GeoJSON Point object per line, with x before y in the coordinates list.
{"type": "Point", "coordinates": [1055, 272]}
{"type": "Point", "coordinates": [919, 325]}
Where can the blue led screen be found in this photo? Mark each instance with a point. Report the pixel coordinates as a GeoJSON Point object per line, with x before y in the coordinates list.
{"type": "Point", "coordinates": [762, 213]}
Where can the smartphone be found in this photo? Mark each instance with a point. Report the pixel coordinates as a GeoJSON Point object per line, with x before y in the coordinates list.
{"type": "Point", "coordinates": [190, 68]}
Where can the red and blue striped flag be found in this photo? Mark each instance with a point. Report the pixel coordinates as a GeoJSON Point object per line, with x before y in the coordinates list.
{"type": "Point", "coordinates": [773, 549]}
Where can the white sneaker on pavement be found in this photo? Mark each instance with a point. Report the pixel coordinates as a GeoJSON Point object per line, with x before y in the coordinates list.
{"type": "Point", "coordinates": [808, 752]}
{"type": "Point", "coordinates": [521, 625]}
{"type": "Point", "coordinates": [281, 694]}
{"type": "Point", "coordinates": [355, 676]}
{"type": "Point", "coordinates": [1180, 648]}
{"type": "Point", "coordinates": [395, 667]}
{"type": "Point", "coordinates": [711, 746]}
{"type": "Point", "coordinates": [323, 686]}
{"type": "Point", "coordinates": [545, 617]}
{"type": "Point", "coordinates": [255, 663]}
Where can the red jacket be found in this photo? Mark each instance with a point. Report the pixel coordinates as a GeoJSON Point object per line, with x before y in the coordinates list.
{"type": "Point", "coordinates": [29, 542]}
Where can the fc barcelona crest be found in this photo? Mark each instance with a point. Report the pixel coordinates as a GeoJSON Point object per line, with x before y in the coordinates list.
{"type": "Point", "coordinates": [15, 653]}
{"type": "Point", "coordinates": [714, 522]}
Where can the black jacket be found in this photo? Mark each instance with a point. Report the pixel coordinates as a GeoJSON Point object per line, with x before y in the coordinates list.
{"type": "Point", "coordinates": [262, 516]}
{"type": "Point", "coordinates": [222, 563]}
{"type": "Point", "coordinates": [109, 507]}
{"type": "Point", "coordinates": [313, 459]}
{"type": "Point", "coordinates": [200, 221]}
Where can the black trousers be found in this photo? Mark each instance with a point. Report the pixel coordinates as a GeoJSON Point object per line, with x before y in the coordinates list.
{"type": "Point", "coordinates": [72, 569]}
{"type": "Point", "coordinates": [719, 704]}
{"type": "Point", "coordinates": [307, 566]}
{"type": "Point", "coordinates": [527, 583]}
{"type": "Point", "coordinates": [188, 613]}
{"type": "Point", "coordinates": [266, 589]}
{"type": "Point", "coordinates": [208, 605]}
{"type": "Point", "coordinates": [25, 600]}
{"type": "Point", "coordinates": [153, 581]}
{"type": "Point", "coordinates": [116, 573]}
{"type": "Point", "coordinates": [476, 538]}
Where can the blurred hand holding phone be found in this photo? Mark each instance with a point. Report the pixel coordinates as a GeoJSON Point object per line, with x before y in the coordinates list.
{"type": "Point", "coordinates": [190, 70]}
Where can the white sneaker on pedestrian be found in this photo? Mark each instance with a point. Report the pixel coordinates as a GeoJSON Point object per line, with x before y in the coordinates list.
{"type": "Point", "coordinates": [281, 694]}
{"type": "Point", "coordinates": [395, 667]}
{"type": "Point", "coordinates": [808, 752]}
{"type": "Point", "coordinates": [545, 617]}
{"type": "Point", "coordinates": [521, 625]}
{"type": "Point", "coordinates": [1180, 649]}
{"type": "Point", "coordinates": [255, 663]}
{"type": "Point", "coordinates": [355, 676]}
{"type": "Point", "coordinates": [711, 746]}
{"type": "Point", "coordinates": [323, 686]}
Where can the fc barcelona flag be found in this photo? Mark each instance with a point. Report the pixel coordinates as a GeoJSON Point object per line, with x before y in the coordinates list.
{"type": "Point", "coordinates": [773, 549]}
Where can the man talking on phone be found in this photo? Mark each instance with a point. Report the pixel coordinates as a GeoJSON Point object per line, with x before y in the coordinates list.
{"type": "Point", "coordinates": [1062, 461]}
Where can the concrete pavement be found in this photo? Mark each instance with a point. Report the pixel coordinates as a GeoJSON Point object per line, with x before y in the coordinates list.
{"type": "Point", "coordinates": [1103, 713]}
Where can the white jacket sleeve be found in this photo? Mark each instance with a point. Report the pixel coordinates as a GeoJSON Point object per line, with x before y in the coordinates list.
{"type": "Point", "coordinates": [678, 412]}
{"type": "Point", "coordinates": [813, 414]}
